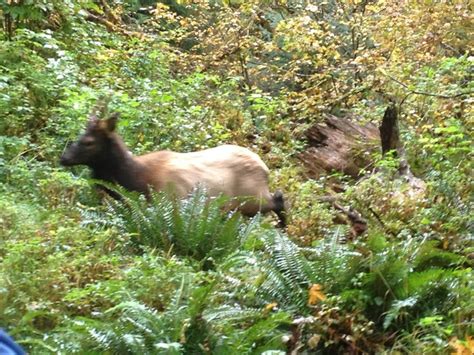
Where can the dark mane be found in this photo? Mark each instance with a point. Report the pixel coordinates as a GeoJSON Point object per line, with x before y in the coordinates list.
{"type": "Point", "coordinates": [120, 167]}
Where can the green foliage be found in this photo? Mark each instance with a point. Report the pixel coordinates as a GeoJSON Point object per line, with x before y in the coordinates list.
{"type": "Point", "coordinates": [194, 227]}
{"type": "Point", "coordinates": [171, 276]}
{"type": "Point", "coordinates": [35, 14]}
{"type": "Point", "coordinates": [288, 275]}
{"type": "Point", "coordinates": [134, 328]}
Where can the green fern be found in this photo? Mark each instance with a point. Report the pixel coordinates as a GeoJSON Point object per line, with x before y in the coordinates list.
{"type": "Point", "coordinates": [336, 265]}
{"type": "Point", "coordinates": [265, 334]}
{"type": "Point", "coordinates": [196, 226]}
{"type": "Point", "coordinates": [281, 272]}
{"type": "Point", "coordinates": [397, 310]}
{"type": "Point", "coordinates": [248, 331]}
{"type": "Point", "coordinates": [420, 282]}
{"type": "Point", "coordinates": [231, 314]}
{"type": "Point", "coordinates": [134, 328]}
{"type": "Point", "coordinates": [428, 255]}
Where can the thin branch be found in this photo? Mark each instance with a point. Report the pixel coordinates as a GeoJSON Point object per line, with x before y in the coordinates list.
{"type": "Point", "coordinates": [109, 13]}
{"type": "Point", "coordinates": [111, 27]}
{"type": "Point", "coordinates": [418, 92]}
{"type": "Point", "coordinates": [354, 91]}
{"type": "Point", "coordinates": [378, 218]}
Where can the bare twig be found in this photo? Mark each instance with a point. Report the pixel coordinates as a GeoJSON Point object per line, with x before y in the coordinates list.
{"type": "Point", "coordinates": [378, 218]}
{"type": "Point", "coordinates": [109, 13]}
{"type": "Point", "coordinates": [109, 25]}
{"type": "Point", "coordinates": [358, 223]}
{"type": "Point", "coordinates": [418, 92]}
{"type": "Point", "coordinates": [100, 108]}
{"type": "Point", "coordinates": [112, 27]}
{"type": "Point", "coordinates": [354, 91]}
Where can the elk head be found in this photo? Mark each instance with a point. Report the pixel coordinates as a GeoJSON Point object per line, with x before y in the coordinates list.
{"type": "Point", "coordinates": [94, 146]}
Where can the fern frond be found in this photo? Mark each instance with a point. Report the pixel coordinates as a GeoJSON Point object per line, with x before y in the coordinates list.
{"type": "Point", "coordinates": [395, 310]}
{"type": "Point", "coordinates": [288, 274]}
{"type": "Point", "coordinates": [196, 226]}
{"type": "Point", "coordinates": [429, 255]}
{"type": "Point", "coordinates": [231, 314]}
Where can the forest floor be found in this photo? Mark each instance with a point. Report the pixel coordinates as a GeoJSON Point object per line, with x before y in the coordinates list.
{"type": "Point", "coordinates": [377, 256]}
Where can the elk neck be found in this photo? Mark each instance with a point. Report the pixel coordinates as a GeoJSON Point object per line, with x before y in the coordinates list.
{"type": "Point", "coordinates": [119, 166]}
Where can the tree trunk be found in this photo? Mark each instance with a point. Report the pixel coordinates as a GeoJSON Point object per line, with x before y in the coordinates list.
{"type": "Point", "coordinates": [391, 141]}
{"type": "Point", "coordinates": [390, 138]}
{"type": "Point", "coordinates": [8, 25]}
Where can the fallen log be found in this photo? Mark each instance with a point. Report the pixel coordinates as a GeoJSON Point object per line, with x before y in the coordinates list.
{"type": "Point", "coordinates": [344, 145]}
{"type": "Point", "coordinates": [339, 144]}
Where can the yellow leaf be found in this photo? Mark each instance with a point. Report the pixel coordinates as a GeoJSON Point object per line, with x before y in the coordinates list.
{"type": "Point", "coordinates": [315, 294]}
{"type": "Point", "coordinates": [465, 347]}
{"type": "Point", "coordinates": [314, 341]}
{"type": "Point", "coordinates": [445, 244]}
{"type": "Point", "coordinates": [270, 307]}
{"type": "Point", "coordinates": [102, 57]}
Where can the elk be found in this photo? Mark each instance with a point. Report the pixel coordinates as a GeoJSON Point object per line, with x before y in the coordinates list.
{"type": "Point", "coordinates": [230, 170]}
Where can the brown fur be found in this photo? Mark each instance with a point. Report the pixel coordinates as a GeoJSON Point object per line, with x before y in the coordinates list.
{"type": "Point", "coordinates": [228, 169]}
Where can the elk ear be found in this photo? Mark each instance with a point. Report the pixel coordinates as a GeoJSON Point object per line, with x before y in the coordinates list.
{"type": "Point", "coordinates": [111, 122]}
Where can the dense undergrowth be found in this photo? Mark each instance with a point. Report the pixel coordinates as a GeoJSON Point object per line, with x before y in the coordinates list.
{"type": "Point", "coordinates": [80, 275]}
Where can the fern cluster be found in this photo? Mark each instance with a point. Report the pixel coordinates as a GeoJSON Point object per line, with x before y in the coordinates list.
{"type": "Point", "coordinates": [196, 226]}
{"type": "Point", "coordinates": [131, 327]}
{"type": "Point", "coordinates": [255, 296]}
